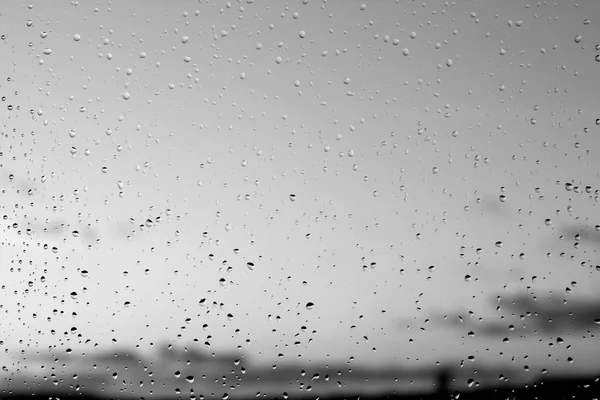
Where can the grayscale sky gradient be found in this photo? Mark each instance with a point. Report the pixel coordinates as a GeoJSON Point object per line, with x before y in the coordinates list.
{"type": "Point", "coordinates": [210, 115]}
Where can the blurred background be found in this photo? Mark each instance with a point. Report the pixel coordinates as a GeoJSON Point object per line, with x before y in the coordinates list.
{"type": "Point", "coordinates": [384, 185]}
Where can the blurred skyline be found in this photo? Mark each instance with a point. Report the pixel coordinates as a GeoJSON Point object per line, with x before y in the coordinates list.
{"type": "Point", "coordinates": [294, 179]}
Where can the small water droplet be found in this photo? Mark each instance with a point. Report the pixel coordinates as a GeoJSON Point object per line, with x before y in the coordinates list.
{"type": "Point", "coordinates": [302, 34]}
{"type": "Point", "coordinates": [126, 95]}
{"type": "Point", "coordinates": [310, 305]}
{"type": "Point", "coordinates": [185, 39]}
{"type": "Point", "coordinates": [76, 37]}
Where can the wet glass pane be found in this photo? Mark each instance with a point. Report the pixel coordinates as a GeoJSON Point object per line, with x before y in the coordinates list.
{"type": "Point", "coordinates": [305, 199]}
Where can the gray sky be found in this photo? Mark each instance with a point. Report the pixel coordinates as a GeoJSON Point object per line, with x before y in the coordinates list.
{"type": "Point", "coordinates": [194, 106]}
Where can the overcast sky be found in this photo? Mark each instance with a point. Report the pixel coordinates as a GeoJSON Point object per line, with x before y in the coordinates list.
{"type": "Point", "coordinates": [350, 152]}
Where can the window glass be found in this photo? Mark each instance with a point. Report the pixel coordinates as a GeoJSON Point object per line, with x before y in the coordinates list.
{"type": "Point", "coordinates": [307, 198]}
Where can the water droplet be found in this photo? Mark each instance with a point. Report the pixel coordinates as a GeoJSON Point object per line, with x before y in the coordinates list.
{"type": "Point", "coordinates": [259, 46]}
{"type": "Point", "coordinates": [76, 37]}
{"type": "Point", "coordinates": [363, 7]}
{"type": "Point", "coordinates": [104, 170]}
{"type": "Point", "coordinates": [250, 265]}
{"type": "Point", "coordinates": [413, 35]}
{"type": "Point", "coordinates": [310, 305]}
{"type": "Point", "coordinates": [72, 133]}
{"type": "Point", "coordinates": [502, 198]}
{"type": "Point", "coordinates": [292, 197]}
{"type": "Point", "coordinates": [244, 163]}
{"type": "Point", "coordinates": [548, 222]}
{"type": "Point", "coordinates": [405, 51]}
{"type": "Point", "coordinates": [578, 38]}
{"type": "Point", "coordinates": [190, 378]}
{"type": "Point", "coordinates": [586, 21]}
{"type": "Point", "coordinates": [435, 170]}
{"type": "Point", "coordinates": [185, 39]}
{"type": "Point", "coordinates": [73, 295]}
{"type": "Point", "coordinates": [347, 81]}
{"type": "Point", "coordinates": [126, 95]}
{"type": "Point", "coordinates": [467, 278]}
{"type": "Point", "coordinates": [47, 51]}
{"type": "Point", "coordinates": [449, 62]}
{"type": "Point", "coordinates": [302, 34]}
{"type": "Point", "coordinates": [142, 54]}
{"type": "Point", "coordinates": [228, 227]}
